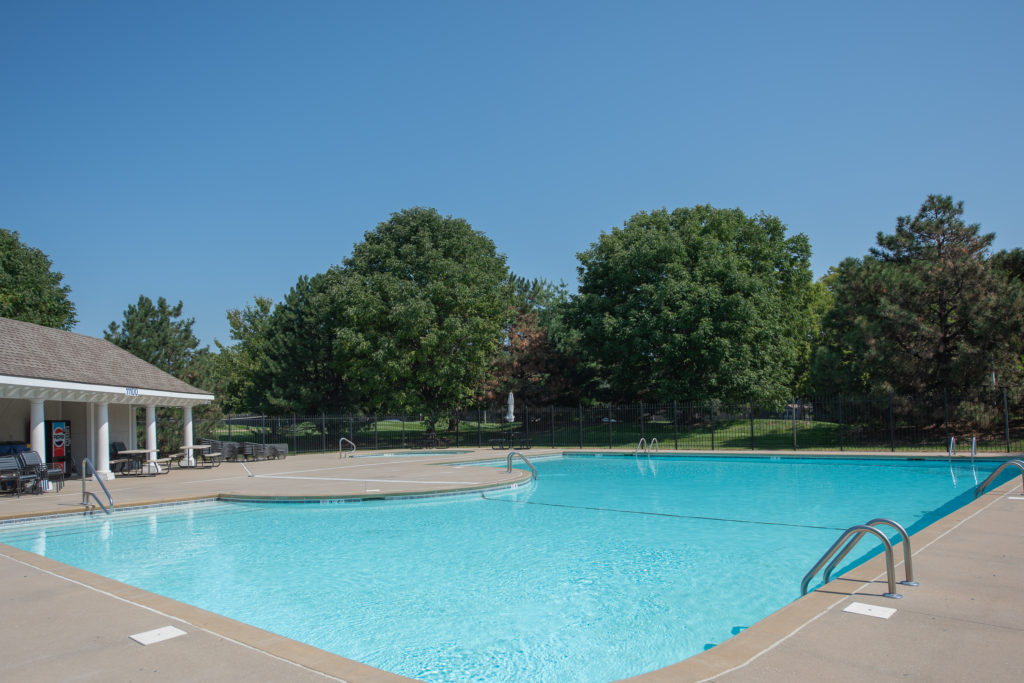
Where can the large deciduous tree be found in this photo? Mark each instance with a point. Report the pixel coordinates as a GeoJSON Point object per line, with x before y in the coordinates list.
{"type": "Point", "coordinates": [693, 303]}
{"type": "Point", "coordinates": [927, 310]}
{"type": "Point", "coordinates": [29, 290]}
{"type": "Point", "coordinates": [422, 304]}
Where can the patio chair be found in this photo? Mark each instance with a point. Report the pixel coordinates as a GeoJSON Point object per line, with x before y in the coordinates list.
{"type": "Point", "coordinates": [32, 463]}
{"type": "Point", "coordinates": [118, 464]}
{"type": "Point", "coordinates": [13, 479]}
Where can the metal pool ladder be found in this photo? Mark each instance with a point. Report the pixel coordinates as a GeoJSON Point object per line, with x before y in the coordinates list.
{"type": "Point", "coordinates": [341, 453]}
{"type": "Point", "coordinates": [1016, 462]}
{"type": "Point", "coordinates": [854, 534]}
{"type": "Point", "coordinates": [508, 465]}
{"type": "Point", "coordinates": [89, 494]}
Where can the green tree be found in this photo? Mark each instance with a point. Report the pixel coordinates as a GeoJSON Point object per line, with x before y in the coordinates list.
{"type": "Point", "coordinates": [423, 305]}
{"type": "Point", "coordinates": [927, 310]}
{"type": "Point", "coordinates": [158, 335]}
{"type": "Point", "coordinates": [529, 362]}
{"type": "Point", "coordinates": [239, 365]}
{"type": "Point", "coordinates": [299, 371]}
{"type": "Point", "coordinates": [693, 303]}
{"type": "Point", "coordinates": [29, 290]}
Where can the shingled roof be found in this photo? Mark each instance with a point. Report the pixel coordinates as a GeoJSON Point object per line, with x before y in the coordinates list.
{"type": "Point", "coordinates": [44, 353]}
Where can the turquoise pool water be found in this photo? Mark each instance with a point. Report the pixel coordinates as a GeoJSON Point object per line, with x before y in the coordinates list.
{"type": "Point", "coordinates": [606, 567]}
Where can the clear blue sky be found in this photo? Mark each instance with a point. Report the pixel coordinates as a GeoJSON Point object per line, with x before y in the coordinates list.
{"type": "Point", "coordinates": [215, 151]}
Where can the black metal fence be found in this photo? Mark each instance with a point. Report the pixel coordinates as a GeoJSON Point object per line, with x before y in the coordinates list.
{"type": "Point", "coordinates": [895, 422]}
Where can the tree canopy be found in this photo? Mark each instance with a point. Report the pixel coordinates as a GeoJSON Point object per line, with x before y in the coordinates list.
{"type": "Point", "coordinates": [693, 303]}
{"type": "Point", "coordinates": [421, 306]}
{"type": "Point", "coordinates": [29, 290]}
{"type": "Point", "coordinates": [159, 335]}
{"type": "Point", "coordinates": [927, 310]}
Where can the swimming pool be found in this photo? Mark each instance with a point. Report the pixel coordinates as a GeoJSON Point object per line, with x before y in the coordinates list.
{"type": "Point", "coordinates": [606, 567]}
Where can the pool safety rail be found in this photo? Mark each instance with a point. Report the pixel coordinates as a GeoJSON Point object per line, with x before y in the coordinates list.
{"type": "Point", "coordinates": [646, 448]}
{"type": "Point", "coordinates": [850, 538]}
{"type": "Point", "coordinates": [1016, 462]}
{"type": "Point", "coordinates": [951, 455]}
{"type": "Point", "coordinates": [508, 465]}
{"type": "Point", "coordinates": [86, 495]}
{"type": "Point", "coordinates": [341, 442]}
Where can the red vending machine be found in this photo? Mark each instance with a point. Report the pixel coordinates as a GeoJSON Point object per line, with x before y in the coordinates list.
{"type": "Point", "coordinates": [58, 444]}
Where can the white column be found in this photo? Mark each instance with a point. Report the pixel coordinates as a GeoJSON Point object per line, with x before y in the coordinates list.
{"type": "Point", "coordinates": [187, 419]}
{"type": "Point", "coordinates": [151, 466]}
{"type": "Point", "coordinates": [133, 428]}
{"type": "Point", "coordinates": [37, 425]}
{"type": "Point", "coordinates": [103, 441]}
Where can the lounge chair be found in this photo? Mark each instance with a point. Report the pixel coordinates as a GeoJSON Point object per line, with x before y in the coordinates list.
{"type": "Point", "coordinates": [13, 479]}
{"type": "Point", "coordinates": [32, 463]}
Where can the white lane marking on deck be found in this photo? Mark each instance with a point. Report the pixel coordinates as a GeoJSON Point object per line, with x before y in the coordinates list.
{"type": "Point", "coordinates": [157, 635]}
{"type": "Point", "coordinates": [870, 610]}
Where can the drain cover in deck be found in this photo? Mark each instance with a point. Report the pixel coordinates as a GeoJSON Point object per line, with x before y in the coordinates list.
{"type": "Point", "coordinates": [157, 635]}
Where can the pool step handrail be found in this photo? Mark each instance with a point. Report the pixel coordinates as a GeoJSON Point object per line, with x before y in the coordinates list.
{"type": "Point", "coordinates": [652, 446]}
{"type": "Point", "coordinates": [908, 562]}
{"type": "Point", "coordinates": [341, 453]}
{"type": "Point", "coordinates": [860, 530]}
{"type": "Point", "coordinates": [974, 451]}
{"type": "Point", "coordinates": [950, 454]}
{"type": "Point", "coordinates": [640, 447]}
{"type": "Point", "coordinates": [86, 495]}
{"type": "Point", "coordinates": [508, 465]}
{"type": "Point", "coordinates": [1016, 462]}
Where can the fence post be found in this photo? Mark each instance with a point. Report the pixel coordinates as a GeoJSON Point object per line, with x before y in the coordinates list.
{"type": "Point", "coordinates": [840, 401]}
{"type": "Point", "coordinates": [526, 420]}
{"type": "Point", "coordinates": [263, 429]}
{"type": "Point", "coordinates": [323, 432]}
{"type": "Point", "coordinates": [295, 433]}
{"type": "Point", "coordinates": [892, 426]}
{"type": "Point", "coordinates": [403, 430]}
{"type": "Point", "coordinates": [640, 407]}
{"type": "Point", "coordinates": [794, 423]}
{"type": "Point", "coordinates": [609, 426]}
{"type": "Point", "coordinates": [711, 412]}
{"type": "Point", "coordinates": [479, 436]}
{"type": "Point", "coordinates": [351, 435]}
{"type": "Point", "coordinates": [1006, 421]}
{"type": "Point", "coordinates": [675, 424]}
{"type": "Point", "coordinates": [751, 423]}
{"type": "Point", "coordinates": [581, 426]}
{"type": "Point", "coordinates": [458, 422]}
{"type": "Point", "coordinates": [376, 439]}
{"type": "Point", "coordinates": [552, 426]}
{"type": "Point", "coordinates": [945, 414]}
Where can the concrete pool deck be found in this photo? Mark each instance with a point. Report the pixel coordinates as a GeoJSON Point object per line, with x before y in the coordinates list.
{"type": "Point", "coordinates": [964, 622]}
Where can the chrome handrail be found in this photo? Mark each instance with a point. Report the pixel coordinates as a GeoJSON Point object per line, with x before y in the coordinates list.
{"type": "Point", "coordinates": [344, 440]}
{"type": "Point", "coordinates": [983, 485]}
{"type": "Point", "coordinates": [87, 494]}
{"type": "Point", "coordinates": [653, 446]}
{"type": "Point", "coordinates": [908, 566]}
{"type": "Point", "coordinates": [950, 452]}
{"type": "Point", "coordinates": [641, 446]}
{"type": "Point", "coordinates": [974, 451]}
{"type": "Point", "coordinates": [860, 530]}
{"type": "Point", "coordinates": [508, 465]}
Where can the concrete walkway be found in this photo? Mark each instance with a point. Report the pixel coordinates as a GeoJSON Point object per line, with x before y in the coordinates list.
{"type": "Point", "coordinates": [964, 622]}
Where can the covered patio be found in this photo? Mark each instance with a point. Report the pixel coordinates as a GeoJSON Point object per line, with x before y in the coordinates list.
{"type": "Point", "coordinates": [88, 385]}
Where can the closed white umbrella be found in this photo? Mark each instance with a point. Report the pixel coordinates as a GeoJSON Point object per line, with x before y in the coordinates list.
{"type": "Point", "coordinates": [511, 408]}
